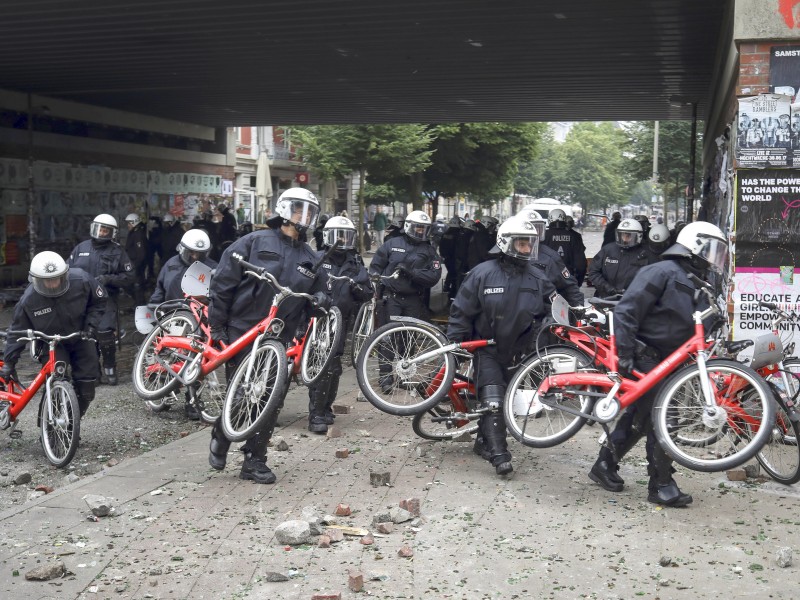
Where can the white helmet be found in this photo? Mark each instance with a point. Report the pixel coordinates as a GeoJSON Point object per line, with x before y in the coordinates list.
{"type": "Point", "coordinates": [168, 218]}
{"type": "Point", "coordinates": [195, 245]}
{"type": "Point", "coordinates": [299, 207]}
{"type": "Point", "coordinates": [533, 216]}
{"type": "Point", "coordinates": [629, 233]}
{"type": "Point", "coordinates": [517, 237]}
{"type": "Point", "coordinates": [49, 274]}
{"type": "Point", "coordinates": [557, 218]}
{"type": "Point", "coordinates": [659, 236]}
{"type": "Point", "coordinates": [417, 225]}
{"type": "Point", "coordinates": [706, 242]}
{"type": "Point", "coordinates": [339, 229]}
{"type": "Point", "coordinates": [133, 219]}
{"type": "Point", "coordinates": [103, 228]}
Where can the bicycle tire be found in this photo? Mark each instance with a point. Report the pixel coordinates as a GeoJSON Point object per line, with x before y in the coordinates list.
{"type": "Point", "coordinates": [247, 405]}
{"type": "Point", "coordinates": [210, 395]}
{"type": "Point", "coordinates": [162, 404]}
{"type": "Point", "coordinates": [678, 409]}
{"type": "Point", "coordinates": [390, 382]}
{"type": "Point", "coordinates": [325, 343]}
{"type": "Point", "coordinates": [60, 423]}
{"type": "Point", "coordinates": [150, 379]}
{"type": "Point", "coordinates": [362, 328]}
{"type": "Point", "coordinates": [780, 456]}
{"type": "Point", "coordinates": [429, 426]}
{"type": "Point", "coordinates": [534, 424]}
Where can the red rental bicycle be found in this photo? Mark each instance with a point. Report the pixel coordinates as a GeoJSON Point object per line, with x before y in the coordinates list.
{"type": "Point", "coordinates": [712, 414]}
{"type": "Point", "coordinates": [175, 360]}
{"type": "Point", "coordinates": [59, 414]}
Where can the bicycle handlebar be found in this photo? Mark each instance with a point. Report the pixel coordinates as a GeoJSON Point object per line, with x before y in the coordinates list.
{"type": "Point", "coordinates": [264, 275]}
{"type": "Point", "coordinates": [30, 335]}
{"type": "Point", "coordinates": [342, 278]}
{"type": "Point", "coordinates": [375, 277]}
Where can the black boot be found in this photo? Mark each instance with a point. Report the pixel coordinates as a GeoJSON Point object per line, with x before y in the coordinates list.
{"type": "Point", "coordinates": [84, 390]}
{"type": "Point", "coordinates": [111, 375]}
{"type": "Point", "coordinates": [316, 409]}
{"type": "Point", "coordinates": [493, 430]}
{"type": "Point", "coordinates": [333, 386]}
{"type": "Point", "coordinates": [479, 448]}
{"type": "Point", "coordinates": [604, 472]}
{"type": "Point", "coordinates": [255, 466]}
{"type": "Point", "coordinates": [662, 488]}
{"type": "Point", "coordinates": [218, 449]}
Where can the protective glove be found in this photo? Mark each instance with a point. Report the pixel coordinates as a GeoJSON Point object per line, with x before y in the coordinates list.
{"type": "Point", "coordinates": [618, 291]}
{"type": "Point", "coordinates": [7, 373]}
{"type": "Point", "coordinates": [220, 334]}
{"type": "Point", "coordinates": [321, 301]}
{"type": "Point", "coordinates": [103, 279]}
{"type": "Point", "coordinates": [625, 366]}
{"type": "Point", "coordinates": [403, 271]}
{"type": "Point", "coordinates": [90, 333]}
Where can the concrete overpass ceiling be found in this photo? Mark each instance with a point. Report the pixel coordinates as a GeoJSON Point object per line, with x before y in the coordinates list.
{"type": "Point", "coordinates": [246, 62]}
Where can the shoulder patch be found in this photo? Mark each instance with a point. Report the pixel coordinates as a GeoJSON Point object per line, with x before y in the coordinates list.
{"type": "Point", "coordinates": [128, 266]}
{"type": "Point", "coordinates": [565, 273]}
{"type": "Point", "coordinates": [436, 265]}
{"type": "Point", "coordinates": [99, 291]}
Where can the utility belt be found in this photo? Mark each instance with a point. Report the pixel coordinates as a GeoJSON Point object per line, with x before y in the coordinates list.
{"type": "Point", "coordinates": [399, 296]}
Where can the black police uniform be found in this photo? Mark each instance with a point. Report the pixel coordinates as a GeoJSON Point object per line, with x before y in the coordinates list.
{"type": "Point", "coordinates": [109, 263]}
{"type": "Point", "coordinates": [610, 233]}
{"type": "Point", "coordinates": [571, 249]}
{"type": "Point", "coordinates": [168, 286]}
{"type": "Point", "coordinates": [170, 238]}
{"type": "Point", "coordinates": [404, 296]}
{"type": "Point", "coordinates": [614, 267]}
{"type": "Point", "coordinates": [482, 241]}
{"type": "Point", "coordinates": [657, 309]}
{"type": "Point", "coordinates": [447, 250]}
{"type": "Point", "coordinates": [136, 249]}
{"type": "Point", "coordinates": [559, 275]}
{"type": "Point", "coordinates": [348, 298]}
{"type": "Point", "coordinates": [80, 308]}
{"type": "Point", "coordinates": [506, 300]}
{"type": "Point", "coordinates": [237, 303]}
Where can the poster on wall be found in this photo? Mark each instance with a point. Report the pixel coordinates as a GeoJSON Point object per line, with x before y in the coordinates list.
{"type": "Point", "coordinates": [767, 254]}
{"type": "Point", "coordinates": [764, 136]}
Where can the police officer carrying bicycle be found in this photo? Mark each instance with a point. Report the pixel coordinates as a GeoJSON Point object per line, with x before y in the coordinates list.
{"type": "Point", "coordinates": [567, 243]}
{"type": "Point", "coordinates": [504, 299]}
{"type": "Point", "coordinates": [60, 300]}
{"type": "Point", "coordinates": [412, 256]}
{"type": "Point", "coordinates": [657, 309]}
{"type": "Point", "coordinates": [239, 302]}
{"type": "Point", "coordinates": [342, 260]}
{"type": "Point", "coordinates": [614, 267]}
{"type": "Point", "coordinates": [104, 259]}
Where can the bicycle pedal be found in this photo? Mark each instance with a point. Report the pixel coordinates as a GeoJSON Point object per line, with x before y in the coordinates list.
{"type": "Point", "coordinates": [15, 434]}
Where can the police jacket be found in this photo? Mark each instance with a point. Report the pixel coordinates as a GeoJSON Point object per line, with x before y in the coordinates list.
{"type": "Point", "coordinates": [613, 268]}
{"type": "Point", "coordinates": [170, 238]}
{"type": "Point", "coordinates": [501, 301]}
{"type": "Point", "coordinates": [657, 308]}
{"type": "Point", "coordinates": [136, 246]}
{"type": "Point", "coordinates": [610, 233]}
{"type": "Point", "coordinates": [80, 307]}
{"type": "Point", "coordinates": [570, 247]}
{"type": "Point", "coordinates": [168, 286]}
{"type": "Point", "coordinates": [447, 243]}
{"type": "Point", "coordinates": [557, 273]}
{"type": "Point", "coordinates": [242, 301]}
{"type": "Point", "coordinates": [106, 261]}
{"type": "Point", "coordinates": [482, 241]}
{"type": "Point", "coordinates": [343, 295]}
{"type": "Point", "coordinates": [418, 257]}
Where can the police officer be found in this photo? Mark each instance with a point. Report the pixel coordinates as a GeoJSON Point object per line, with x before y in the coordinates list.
{"type": "Point", "coordinates": [657, 309]}
{"type": "Point", "coordinates": [447, 250]}
{"type": "Point", "coordinates": [394, 228]}
{"type": "Point", "coordinates": [318, 238]}
{"type": "Point", "coordinates": [136, 249]}
{"type": "Point", "coordinates": [105, 259]}
{"type": "Point", "coordinates": [195, 246]}
{"type": "Point", "coordinates": [614, 267]}
{"type": "Point", "coordinates": [239, 302]}
{"type": "Point", "coordinates": [484, 236]}
{"type": "Point", "coordinates": [567, 243]}
{"type": "Point", "coordinates": [171, 235]}
{"type": "Point", "coordinates": [549, 261]}
{"type": "Point", "coordinates": [611, 228]}
{"type": "Point", "coordinates": [340, 259]}
{"type": "Point", "coordinates": [60, 300]}
{"type": "Point", "coordinates": [502, 299]}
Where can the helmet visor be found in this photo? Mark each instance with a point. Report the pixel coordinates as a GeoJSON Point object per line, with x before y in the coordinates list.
{"type": "Point", "coordinates": [304, 213]}
{"type": "Point", "coordinates": [345, 237]}
{"type": "Point", "coordinates": [102, 231]}
{"type": "Point", "coordinates": [628, 239]}
{"type": "Point", "coordinates": [525, 247]}
{"type": "Point", "coordinates": [189, 256]}
{"type": "Point", "coordinates": [715, 252]}
{"type": "Point", "coordinates": [418, 231]}
{"type": "Point", "coordinates": [52, 287]}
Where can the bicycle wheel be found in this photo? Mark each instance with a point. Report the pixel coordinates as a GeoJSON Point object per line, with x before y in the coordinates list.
{"type": "Point", "coordinates": [362, 329]}
{"type": "Point", "coordinates": [442, 422]}
{"type": "Point", "coordinates": [393, 379]}
{"type": "Point", "coordinates": [321, 345]}
{"type": "Point", "coordinates": [210, 395]}
{"type": "Point", "coordinates": [163, 403]}
{"type": "Point", "coordinates": [780, 456]}
{"type": "Point", "coordinates": [60, 423]}
{"type": "Point", "coordinates": [249, 402]}
{"type": "Point", "coordinates": [533, 423]}
{"type": "Point", "coordinates": [154, 372]}
{"type": "Point", "coordinates": [739, 428]}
